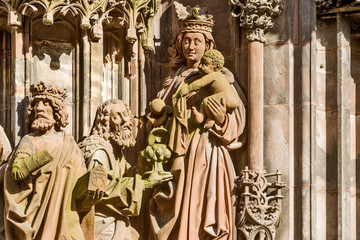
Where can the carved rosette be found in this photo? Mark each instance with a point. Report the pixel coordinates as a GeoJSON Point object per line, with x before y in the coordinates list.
{"type": "Point", "coordinates": [257, 16]}
{"type": "Point", "coordinates": [258, 204]}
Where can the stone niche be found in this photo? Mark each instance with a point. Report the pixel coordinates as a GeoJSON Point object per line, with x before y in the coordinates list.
{"type": "Point", "coordinates": [53, 58]}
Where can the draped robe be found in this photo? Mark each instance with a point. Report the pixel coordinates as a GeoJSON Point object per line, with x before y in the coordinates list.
{"type": "Point", "coordinates": [41, 206]}
{"type": "Point", "coordinates": [123, 195]}
{"type": "Point", "coordinates": [199, 202]}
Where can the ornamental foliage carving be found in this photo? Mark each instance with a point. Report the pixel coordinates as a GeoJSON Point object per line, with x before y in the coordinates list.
{"type": "Point", "coordinates": [137, 15]}
{"type": "Point", "coordinates": [258, 204]}
{"type": "Point", "coordinates": [257, 16]}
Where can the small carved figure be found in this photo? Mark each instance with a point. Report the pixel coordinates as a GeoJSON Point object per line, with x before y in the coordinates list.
{"type": "Point", "coordinates": [42, 172]}
{"type": "Point", "coordinates": [110, 134]}
{"type": "Point", "coordinates": [156, 153]}
{"type": "Point", "coordinates": [218, 86]}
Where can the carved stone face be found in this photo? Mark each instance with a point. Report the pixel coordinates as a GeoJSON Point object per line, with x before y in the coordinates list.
{"type": "Point", "coordinates": [121, 126]}
{"type": "Point", "coordinates": [43, 115]}
{"type": "Point", "coordinates": [193, 46]}
{"type": "Point", "coordinates": [119, 118]}
{"type": "Point", "coordinates": [206, 66]}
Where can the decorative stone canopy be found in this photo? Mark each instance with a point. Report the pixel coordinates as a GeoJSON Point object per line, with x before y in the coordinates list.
{"type": "Point", "coordinates": [137, 14]}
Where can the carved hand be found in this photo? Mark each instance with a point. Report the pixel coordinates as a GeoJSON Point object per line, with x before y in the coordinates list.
{"type": "Point", "coordinates": [156, 121]}
{"type": "Point", "coordinates": [24, 166]}
{"type": "Point", "coordinates": [16, 171]}
{"type": "Point", "coordinates": [217, 109]}
{"type": "Point", "coordinates": [156, 178]}
{"type": "Point", "coordinates": [89, 200]}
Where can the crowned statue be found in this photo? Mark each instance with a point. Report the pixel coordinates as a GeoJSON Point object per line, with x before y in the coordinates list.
{"type": "Point", "coordinates": [199, 202]}
{"type": "Point", "coordinates": [41, 174]}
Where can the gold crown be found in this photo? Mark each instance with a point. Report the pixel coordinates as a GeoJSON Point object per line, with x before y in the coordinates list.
{"type": "Point", "coordinates": [193, 18]}
{"type": "Point", "coordinates": [40, 91]}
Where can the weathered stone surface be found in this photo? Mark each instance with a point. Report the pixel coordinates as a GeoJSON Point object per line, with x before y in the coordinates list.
{"type": "Point", "coordinates": [302, 83]}
{"type": "Point", "coordinates": [277, 75]}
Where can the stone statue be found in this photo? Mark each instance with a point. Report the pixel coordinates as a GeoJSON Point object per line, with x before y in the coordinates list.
{"type": "Point", "coordinates": [5, 150]}
{"type": "Point", "coordinates": [199, 202]}
{"type": "Point", "coordinates": [5, 146]}
{"type": "Point", "coordinates": [210, 66]}
{"type": "Point", "coordinates": [110, 134]}
{"type": "Point", "coordinates": [41, 174]}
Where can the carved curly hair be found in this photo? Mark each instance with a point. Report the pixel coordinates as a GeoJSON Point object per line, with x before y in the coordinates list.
{"type": "Point", "coordinates": [59, 110]}
{"type": "Point", "coordinates": [101, 125]}
{"type": "Point", "coordinates": [216, 57]}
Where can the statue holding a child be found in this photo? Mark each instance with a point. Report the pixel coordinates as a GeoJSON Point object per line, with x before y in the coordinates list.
{"type": "Point", "coordinates": [205, 124]}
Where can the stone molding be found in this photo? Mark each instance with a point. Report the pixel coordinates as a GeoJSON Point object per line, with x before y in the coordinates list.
{"type": "Point", "coordinates": [323, 5]}
{"type": "Point", "coordinates": [137, 15]}
{"type": "Point", "coordinates": [257, 16]}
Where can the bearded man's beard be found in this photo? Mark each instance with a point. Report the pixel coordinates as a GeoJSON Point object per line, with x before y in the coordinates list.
{"type": "Point", "coordinates": [42, 124]}
{"type": "Point", "coordinates": [122, 138]}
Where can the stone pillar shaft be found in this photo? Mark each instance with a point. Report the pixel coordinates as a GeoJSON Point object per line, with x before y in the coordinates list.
{"type": "Point", "coordinates": [17, 84]}
{"type": "Point", "coordinates": [256, 105]}
{"type": "Point", "coordinates": [85, 89]}
{"type": "Point", "coordinates": [345, 167]}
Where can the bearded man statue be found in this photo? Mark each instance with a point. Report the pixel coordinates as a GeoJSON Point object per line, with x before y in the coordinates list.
{"type": "Point", "coordinates": [42, 172]}
{"type": "Point", "coordinates": [110, 134]}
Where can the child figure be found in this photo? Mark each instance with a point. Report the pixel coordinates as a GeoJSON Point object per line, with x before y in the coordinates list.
{"type": "Point", "coordinates": [219, 87]}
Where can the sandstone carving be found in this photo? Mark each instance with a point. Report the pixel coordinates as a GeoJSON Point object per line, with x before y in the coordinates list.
{"type": "Point", "coordinates": [41, 174]}
{"type": "Point", "coordinates": [156, 153]}
{"type": "Point", "coordinates": [219, 87]}
{"type": "Point", "coordinates": [201, 164]}
{"type": "Point", "coordinates": [257, 16]}
{"type": "Point", "coordinates": [138, 14]}
{"type": "Point", "coordinates": [259, 204]}
{"type": "Point", "coordinates": [5, 150]}
{"type": "Point", "coordinates": [122, 197]}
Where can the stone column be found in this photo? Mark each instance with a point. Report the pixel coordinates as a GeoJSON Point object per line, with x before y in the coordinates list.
{"type": "Point", "coordinates": [258, 23]}
{"type": "Point", "coordinates": [134, 78]}
{"type": "Point", "coordinates": [304, 116]}
{"type": "Point", "coordinates": [97, 77]}
{"type": "Point", "coordinates": [85, 86]}
{"type": "Point", "coordinates": [142, 82]}
{"type": "Point", "coordinates": [256, 104]}
{"type": "Point", "coordinates": [345, 166]}
{"type": "Point", "coordinates": [258, 17]}
{"type": "Point", "coordinates": [17, 85]}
